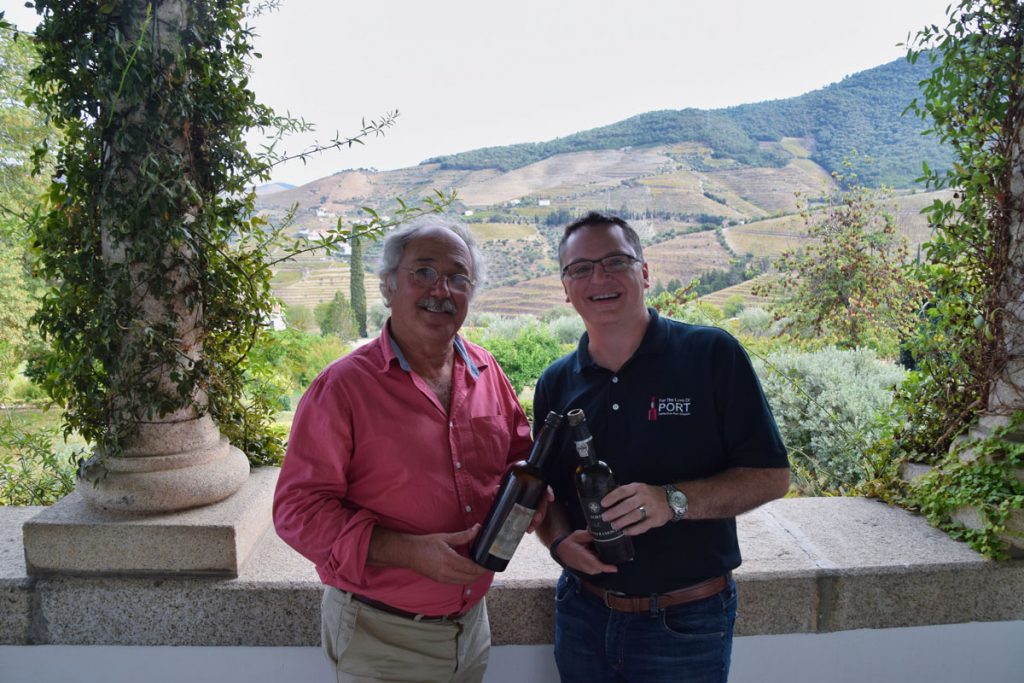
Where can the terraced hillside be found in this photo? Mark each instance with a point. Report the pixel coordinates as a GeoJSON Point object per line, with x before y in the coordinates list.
{"type": "Point", "coordinates": [683, 258]}
{"type": "Point", "coordinates": [745, 290]}
{"type": "Point", "coordinates": [667, 172]}
{"type": "Point", "coordinates": [310, 281]}
{"type": "Point", "coordinates": [772, 236]}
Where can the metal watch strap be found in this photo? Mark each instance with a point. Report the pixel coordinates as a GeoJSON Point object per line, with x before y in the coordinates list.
{"type": "Point", "coordinates": [678, 514]}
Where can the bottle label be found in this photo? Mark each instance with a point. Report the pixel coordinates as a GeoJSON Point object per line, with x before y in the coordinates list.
{"type": "Point", "coordinates": [583, 447]}
{"type": "Point", "coordinates": [511, 532]}
{"type": "Point", "coordinates": [600, 530]}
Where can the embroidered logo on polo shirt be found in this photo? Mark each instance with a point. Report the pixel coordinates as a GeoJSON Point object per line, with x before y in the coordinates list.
{"type": "Point", "coordinates": [668, 407]}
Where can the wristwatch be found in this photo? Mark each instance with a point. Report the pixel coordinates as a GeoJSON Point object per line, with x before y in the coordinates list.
{"type": "Point", "coordinates": [676, 501]}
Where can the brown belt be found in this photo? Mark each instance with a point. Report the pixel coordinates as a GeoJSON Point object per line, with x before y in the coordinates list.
{"type": "Point", "coordinates": [384, 607]}
{"type": "Point", "coordinates": [638, 605]}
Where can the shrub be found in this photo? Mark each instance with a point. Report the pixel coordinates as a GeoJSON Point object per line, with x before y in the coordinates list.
{"type": "Point", "coordinates": [509, 327]}
{"type": "Point", "coordinates": [826, 404]}
{"type": "Point", "coordinates": [567, 329]}
{"type": "Point", "coordinates": [283, 363]}
{"type": "Point", "coordinates": [31, 471]}
{"type": "Point", "coordinates": [301, 318]}
{"type": "Point", "coordinates": [524, 356]}
{"type": "Point", "coordinates": [755, 321]}
{"type": "Point", "coordinates": [733, 306]}
{"type": "Point", "coordinates": [376, 316]}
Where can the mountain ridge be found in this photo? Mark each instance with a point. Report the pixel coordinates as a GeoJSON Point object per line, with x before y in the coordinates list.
{"type": "Point", "coordinates": [860, 115]}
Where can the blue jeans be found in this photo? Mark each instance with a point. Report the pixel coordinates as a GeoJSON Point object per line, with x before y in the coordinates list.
{"type": "Point", "coordinates": [689, 643]}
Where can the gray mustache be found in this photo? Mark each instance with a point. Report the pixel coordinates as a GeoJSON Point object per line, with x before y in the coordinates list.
{"type": "Point", "coordinates": [437, 305]}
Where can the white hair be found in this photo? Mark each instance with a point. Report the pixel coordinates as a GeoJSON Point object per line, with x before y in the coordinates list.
{"type": "Point", "coordinates": [397, 240]}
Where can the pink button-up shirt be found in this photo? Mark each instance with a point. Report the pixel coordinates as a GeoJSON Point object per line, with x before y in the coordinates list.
{"type": "Point", "coordinates": [371, 444]}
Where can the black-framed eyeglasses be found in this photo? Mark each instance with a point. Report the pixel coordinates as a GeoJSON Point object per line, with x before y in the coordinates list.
{"type": "Point", "coordinates": [616, 263]}
{"type": "Point", "coordinates": [427, 277]}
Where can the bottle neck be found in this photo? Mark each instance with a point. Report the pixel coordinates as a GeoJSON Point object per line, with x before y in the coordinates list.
{"type": "Point", "coordinates": [585, 449]}
{"type": "Point", "coordinates": [542, 447]}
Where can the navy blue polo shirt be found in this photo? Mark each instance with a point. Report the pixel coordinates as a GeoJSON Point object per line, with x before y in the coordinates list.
{"type": "Point", "coordinates": [687, 405]}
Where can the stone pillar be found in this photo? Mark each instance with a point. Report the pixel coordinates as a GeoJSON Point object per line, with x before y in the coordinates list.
{"type": "Point", "coordinates": [178, 460]}
{"type": "Point", "coordinates": [125, 515]}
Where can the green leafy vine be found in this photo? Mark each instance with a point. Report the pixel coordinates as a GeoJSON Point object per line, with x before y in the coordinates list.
{"type": "Point", "coordinates": [157, 264]}
{"type": "Point", "coordinates": [973, 99]}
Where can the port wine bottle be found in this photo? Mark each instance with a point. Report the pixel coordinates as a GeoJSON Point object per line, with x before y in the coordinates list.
{"type": "Point", "coordinates": [594, 480]}
{"type": "Point", "coordinates": [518, 497]}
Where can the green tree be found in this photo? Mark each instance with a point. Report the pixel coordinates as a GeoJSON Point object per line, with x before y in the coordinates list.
{"type": "Point", "coordinates": [22, 129]}
{"type": "Point", "coordinates": [335, 318]}
{"type": "Point", "coordinates": [357, 286]}
{"type": "Point", "coordinates": [852, 282]}
{"type": "Point", "coordinates": [300, 317]}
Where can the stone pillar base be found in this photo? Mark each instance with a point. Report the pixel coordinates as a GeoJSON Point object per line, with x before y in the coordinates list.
{"type": "Point", "coordinates": [74, 538]}
{"type": "Point", "coordinates": [169, 466]}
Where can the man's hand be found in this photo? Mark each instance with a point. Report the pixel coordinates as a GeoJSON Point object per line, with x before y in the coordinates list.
{"type": "Point", "coordinates": [435, 556]}
{"type": "Point", "coordinates": [622, 508]}
{"type": "Point", "coordinates": [576, 553]}
{"type": "Point", "coordinates": [542, 510]}
{"type": "Point", "coordinates": [726, 494]}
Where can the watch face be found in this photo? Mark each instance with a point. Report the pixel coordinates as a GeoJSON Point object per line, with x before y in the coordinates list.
{"type": "Point", "coordinates": [677, 501]}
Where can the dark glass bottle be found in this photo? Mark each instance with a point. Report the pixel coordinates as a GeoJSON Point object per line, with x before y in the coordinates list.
{"type": "Point", "coordinates": [594, 481]}
{"type": "Point", "coordinates": [518, 496]}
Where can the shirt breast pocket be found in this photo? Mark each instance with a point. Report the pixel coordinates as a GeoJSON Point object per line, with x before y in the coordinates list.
{"type": "Point", "coordinates": [491, 440]}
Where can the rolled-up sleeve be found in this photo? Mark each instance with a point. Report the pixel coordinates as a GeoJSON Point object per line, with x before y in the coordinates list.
{"type": "Point", "coordinates": [310, 513]}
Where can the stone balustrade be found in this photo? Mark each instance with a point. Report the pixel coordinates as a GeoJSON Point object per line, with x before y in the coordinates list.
{"type": "Point", "coordinates": [811, 565]}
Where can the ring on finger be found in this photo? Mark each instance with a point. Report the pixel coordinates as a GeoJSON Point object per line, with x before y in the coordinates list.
{"type": "Point", "coordinates": [643, 513]}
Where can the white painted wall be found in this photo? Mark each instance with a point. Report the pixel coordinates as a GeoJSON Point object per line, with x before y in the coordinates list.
{"type": "Point", "coordinates": [992, 652]}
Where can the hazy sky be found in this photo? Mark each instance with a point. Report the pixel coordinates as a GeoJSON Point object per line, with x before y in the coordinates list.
{"type": "Point", "coordinates": [465, 74]}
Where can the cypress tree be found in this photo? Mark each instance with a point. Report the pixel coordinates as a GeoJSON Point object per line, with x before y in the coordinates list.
{"type": "Point", "coordinates": [357, 290]}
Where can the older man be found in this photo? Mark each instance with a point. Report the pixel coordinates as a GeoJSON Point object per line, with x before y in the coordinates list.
{"type": "Point", "coordinates": [678, 413]}
{"type": "Point", "coordinates": [394, 458]}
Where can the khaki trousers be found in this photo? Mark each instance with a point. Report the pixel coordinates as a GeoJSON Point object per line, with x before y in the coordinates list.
{"type": "Point", "coordinates": [366, 644]}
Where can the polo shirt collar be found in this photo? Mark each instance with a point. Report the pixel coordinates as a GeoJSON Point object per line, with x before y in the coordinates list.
{"type": "Point", "coordinates": [391, 351]}
{"type": "Point", "coordinates": [654, 337]}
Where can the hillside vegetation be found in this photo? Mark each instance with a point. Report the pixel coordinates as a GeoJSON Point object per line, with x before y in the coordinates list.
{"type": "Point", "coordinates": [861, 113]}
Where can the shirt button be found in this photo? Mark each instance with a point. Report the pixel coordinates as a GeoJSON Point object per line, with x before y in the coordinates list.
{"type": "Point", "coordinates": [615, 406]}
{"type": "Point", "coordinates": [458, 465]}
{"type": "Point", "coordinates": [451, 424]}
{"type": "Point", "coordinates": [469, 508]}
{"type": "Point", "coordinates": [615, 380]}
{"type": "Point", "coordinates": [469, 591]}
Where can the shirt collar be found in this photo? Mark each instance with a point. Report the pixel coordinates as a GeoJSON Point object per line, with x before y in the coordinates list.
{"type": "Point", "coordinates": [391, 351]}
{"type": "Point", "coordinates": [654, 335]}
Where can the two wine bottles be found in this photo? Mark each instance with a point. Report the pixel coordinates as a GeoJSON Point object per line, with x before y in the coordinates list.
{"type": "Point", "coordinates": [521, 490]}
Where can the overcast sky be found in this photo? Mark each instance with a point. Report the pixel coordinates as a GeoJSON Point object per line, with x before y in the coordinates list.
{"type": "Point", "coordinates": [466, 74]}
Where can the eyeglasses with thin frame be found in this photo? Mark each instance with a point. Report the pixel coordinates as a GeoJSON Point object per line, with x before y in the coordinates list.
{"type": "Point", "coordinates": [616, 263]}
{"type": "Point", "coordinates": [427, 277]}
